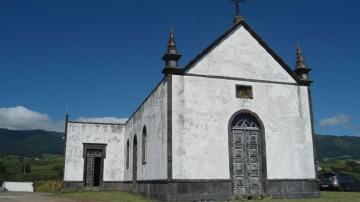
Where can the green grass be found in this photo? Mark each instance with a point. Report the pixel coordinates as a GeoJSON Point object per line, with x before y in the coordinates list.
{"type": "Point", "coordinates": [102, 196]}
{"type": "Point", "coordinates": [46, 167]}
{"type": "Point", "coordinates": [127, 197]}
{"type": "Point", "coordinates": [327, 197]}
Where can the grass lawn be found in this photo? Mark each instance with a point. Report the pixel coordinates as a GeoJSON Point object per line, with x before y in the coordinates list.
{"type": "Point", "coordinates": [327, 197]}
{"type": "Point", "coordinates": [120, 196]}
{"type": "Point", "coordinates": [102, 196]}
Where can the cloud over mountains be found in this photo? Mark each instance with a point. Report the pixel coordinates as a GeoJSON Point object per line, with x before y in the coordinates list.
{"type": "Point", "coordinates": [338, 120]}
{"type": "Point", "coordinates": [22, 118]}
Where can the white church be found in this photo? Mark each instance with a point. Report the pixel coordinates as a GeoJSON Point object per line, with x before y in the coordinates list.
{"type": "Point", "coordinates": [236, 122]}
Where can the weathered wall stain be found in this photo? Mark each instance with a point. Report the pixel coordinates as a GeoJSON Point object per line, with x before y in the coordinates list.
{"type": "Point", "coordinates": [151, 114]}
{"type": "Point", "coordinates": [203, 106]}
{"type": "Point", "coordinates": [79, 133]}
{"type": "Point", "coordinates": [201, 110]}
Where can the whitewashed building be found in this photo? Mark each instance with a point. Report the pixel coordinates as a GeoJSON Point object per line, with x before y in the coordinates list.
{"type": "Point", "coordinates": [235, 122]}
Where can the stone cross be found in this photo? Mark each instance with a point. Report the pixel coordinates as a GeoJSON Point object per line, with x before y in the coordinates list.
{"type": "Point", "coordinates": [237, 6]}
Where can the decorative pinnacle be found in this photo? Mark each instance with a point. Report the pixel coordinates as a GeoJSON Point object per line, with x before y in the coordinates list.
{"type": "Point", "coordinates": [301, 69]}
{"type": "Point", "coordinates": [171, 56]}
{"type": "Point", "coordinates": [300, 61]}
{"type": "Point", "coordinates": [171, 49]}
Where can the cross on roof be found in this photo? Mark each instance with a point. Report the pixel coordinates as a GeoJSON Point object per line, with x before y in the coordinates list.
{"type": "Point", "coordinates": [237, 6]}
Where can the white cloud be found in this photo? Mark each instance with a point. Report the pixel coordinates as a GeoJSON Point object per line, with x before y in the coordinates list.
{"type": "Point", "coordinates": [103, 119]}
{"type": "Point", "coordinates": [21, 118]}
{"type": "Point", "coordinates": [338, 120]}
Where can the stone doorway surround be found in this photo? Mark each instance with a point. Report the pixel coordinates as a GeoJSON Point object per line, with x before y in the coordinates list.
{"type": "Point", "coordinates": [247, 155]}
{"type": "Point", "coordinates": [94, 155]}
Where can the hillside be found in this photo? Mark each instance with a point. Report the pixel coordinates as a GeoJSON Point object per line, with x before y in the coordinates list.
{"type": "Point", "coordinates": [30, 142]}
{"type": "Point", "coordinates": [337, 147]}
{"type": "Point", "coordinates": [36, 142]}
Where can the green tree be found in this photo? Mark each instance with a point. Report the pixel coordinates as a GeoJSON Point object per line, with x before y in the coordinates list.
{"type": "Point", "coordinates": [26, 167]}
{"type": "Point", "coordinates": [3, 172]}
{"type": "Point", "coordinates": [58, 169]}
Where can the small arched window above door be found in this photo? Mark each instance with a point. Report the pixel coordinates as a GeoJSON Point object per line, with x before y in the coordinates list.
{"type": "Point", "coordinates": [245, 121]}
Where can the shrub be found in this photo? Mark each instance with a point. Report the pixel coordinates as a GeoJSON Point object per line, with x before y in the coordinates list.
{"type": "Point", "coordinates": [48, 186]}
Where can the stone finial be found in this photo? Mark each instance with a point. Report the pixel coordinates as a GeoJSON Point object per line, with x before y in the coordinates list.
{"type": "Point", "coordinates": [301, 69]}
{"type": "Point", "coordinates": [300, 61]}
{"type": "Point", "coordinates": [171, 57]}
{"type": "Point", "coordinates": [171, 44]}
{"type": "Point", "coordinates": [238, 19]}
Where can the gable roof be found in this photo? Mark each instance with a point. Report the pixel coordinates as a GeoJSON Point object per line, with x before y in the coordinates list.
{"type": "Point", "coordinates": [256, 37]}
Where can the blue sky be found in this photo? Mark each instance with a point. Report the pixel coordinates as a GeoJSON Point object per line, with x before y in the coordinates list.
{"type": "Point", "coordinates": [102, 58]}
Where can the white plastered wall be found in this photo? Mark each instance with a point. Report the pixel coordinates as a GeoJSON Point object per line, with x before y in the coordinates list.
{"type": "Point", "coordinates": [241, 56]}
{"type": "Point", "coordinates": [202, 108]}
{"type": "Point", "coordinates": [153, 115]}
{"type": "Point", "coordinates": [109, 134]}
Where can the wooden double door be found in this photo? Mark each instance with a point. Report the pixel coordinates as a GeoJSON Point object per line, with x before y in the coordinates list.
{"type": "Point", "coordinates": [247, 159]}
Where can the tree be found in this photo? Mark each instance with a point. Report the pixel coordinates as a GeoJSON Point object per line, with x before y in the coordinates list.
{"type": "Point", "coordinates": [26, 167]}
{"type": "Point", "coordinates": [3, 172]}
{"type": "Point", "coordinates": [58, 170]}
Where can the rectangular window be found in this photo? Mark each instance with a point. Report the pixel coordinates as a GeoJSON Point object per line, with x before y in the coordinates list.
{"type": "Point", "coordinates": [244, 92]}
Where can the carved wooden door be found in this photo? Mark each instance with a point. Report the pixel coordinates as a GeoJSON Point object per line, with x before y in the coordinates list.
{"type": "Point", "coordinates": [247, 160]}
{"type": "Point", "coordinates": [90, 166]}
{"type": "Point", "coordinates": [89, 172]}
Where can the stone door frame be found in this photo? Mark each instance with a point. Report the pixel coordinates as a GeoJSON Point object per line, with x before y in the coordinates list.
{"type": "Point", "coordinates": [93, 146]}
{"type": "Point", "coordinates": [263, 147]}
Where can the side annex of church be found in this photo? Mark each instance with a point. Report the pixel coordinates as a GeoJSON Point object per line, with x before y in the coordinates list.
{"type": "Point", "coordinates": [235, 122]}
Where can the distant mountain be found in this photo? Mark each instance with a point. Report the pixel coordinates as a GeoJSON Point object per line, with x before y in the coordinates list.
{"type": "Point", "coordinates": [30, 142]}
{"type": "Point", "coordinates": [36, 142]}
{"type": "Point", "coordinates": [337, 147]}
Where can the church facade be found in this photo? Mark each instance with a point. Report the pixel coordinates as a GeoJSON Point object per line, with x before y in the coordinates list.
{"type": "Point", "coordinates": [235, 122]}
